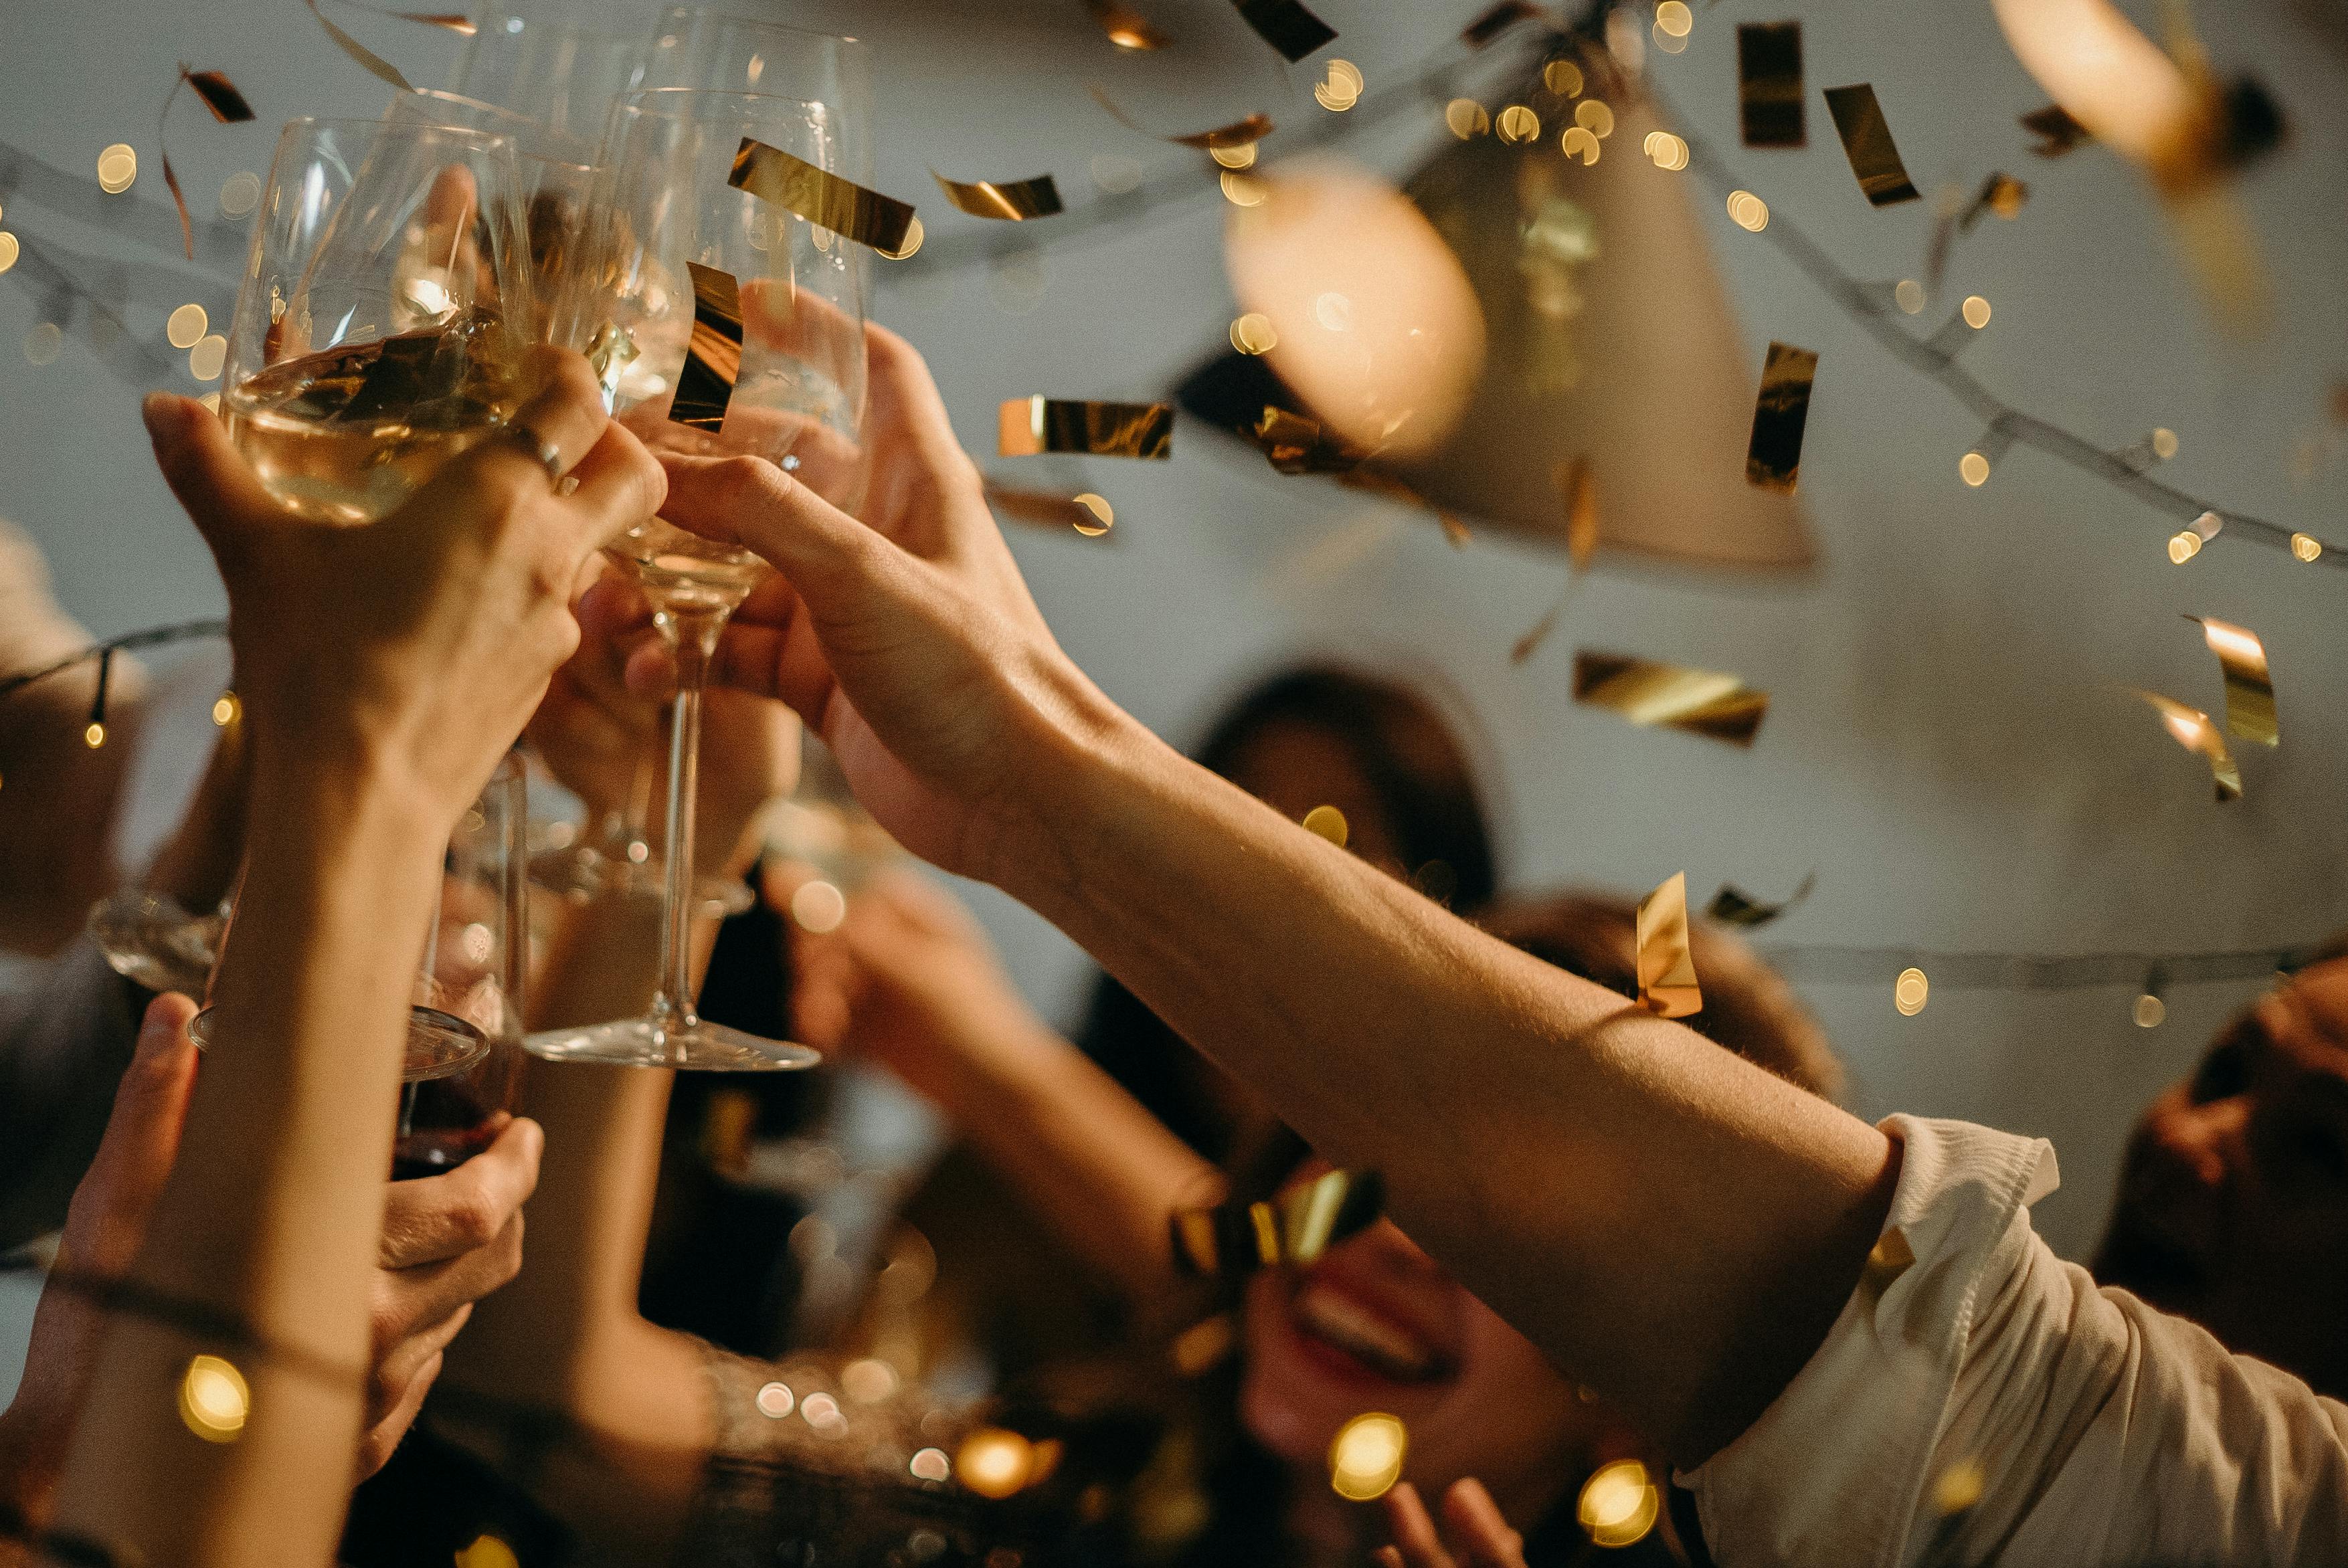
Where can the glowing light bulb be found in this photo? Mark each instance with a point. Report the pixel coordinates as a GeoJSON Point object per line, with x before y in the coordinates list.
{"type": "Point", "coordinates": [1366, 1459]}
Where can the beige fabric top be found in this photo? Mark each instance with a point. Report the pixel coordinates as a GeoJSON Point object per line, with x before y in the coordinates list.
{"type": "Point", "coordinates": [32, 630]}
{"type": "Point", "coordinates": [2102, 1431]}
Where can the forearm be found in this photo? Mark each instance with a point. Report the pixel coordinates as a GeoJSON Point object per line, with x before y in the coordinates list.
{"type": "Point", "coordinates": [559, 1335]}
{"type": "Point", "coordinates": [1675, 1227]}
{"type": "Point", "coordinates": [1102, 1171]}
{"type": "Point", "coordinates": [273, 1209]}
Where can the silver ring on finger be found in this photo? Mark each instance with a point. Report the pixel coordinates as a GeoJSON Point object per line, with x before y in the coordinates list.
{"type": "Point", "coordinates": [539, 450]}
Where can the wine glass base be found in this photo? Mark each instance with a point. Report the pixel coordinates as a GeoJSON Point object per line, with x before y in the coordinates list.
{"type": "Point", "coordinates": [151, 942]}
{"type": "Point", "coordinates": [440, 1044]}
{"type": "Point", "coordinates": [700, 1046]}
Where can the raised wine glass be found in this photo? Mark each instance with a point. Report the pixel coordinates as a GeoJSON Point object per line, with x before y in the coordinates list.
{"type": "Point", "coordinates": [380, 331]}
{"type": "Point", "coordinates": [725, 325]}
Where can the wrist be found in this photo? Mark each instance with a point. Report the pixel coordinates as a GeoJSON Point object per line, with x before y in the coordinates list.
{"type": "Point", "coordinates": [1097, 757]}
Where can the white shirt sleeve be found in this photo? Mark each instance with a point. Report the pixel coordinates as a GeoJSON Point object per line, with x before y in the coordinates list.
{"type": "Point", "coordinates": [2100, 1431]}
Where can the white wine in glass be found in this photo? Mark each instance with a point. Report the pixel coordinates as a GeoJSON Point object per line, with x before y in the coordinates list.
{"type": "Point", "coordinates": [386, 307]}
{"type": "Point", "coordinates": [738, 329]}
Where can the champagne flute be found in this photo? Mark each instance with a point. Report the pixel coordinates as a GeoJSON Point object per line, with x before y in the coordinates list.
{"type": "Point", "coordinates": [725, 325]}
{"type": "Point", "coordinates": [549, 83]}
{"type": "Point", "coordinates": [380, 331]}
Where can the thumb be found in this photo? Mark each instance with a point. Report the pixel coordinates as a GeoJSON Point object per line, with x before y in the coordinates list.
{"type": "Point", "coordinates": [108, 1218]}
{"type": "Point", "coordinates": [217, 489]}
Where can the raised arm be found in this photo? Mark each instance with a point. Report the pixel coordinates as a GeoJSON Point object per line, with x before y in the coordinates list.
{"type": "Point", "coordinates": [908, 981]}
{"type": "Point", "coordinates": [1677, 1228]}
{"type": "Point", "coordinates": [383, 670]}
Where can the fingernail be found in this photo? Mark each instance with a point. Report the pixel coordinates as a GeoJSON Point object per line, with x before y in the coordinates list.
{"type": "Point", "coordinates": [155, 408]}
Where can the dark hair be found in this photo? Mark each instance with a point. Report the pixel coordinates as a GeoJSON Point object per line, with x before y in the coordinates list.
{"type": "Point", "coordinates": [1417, 770]}
{"type": "Point", "coordinates": [1747, 1009]}
{"type": "Point", "coordinates": [1404, 747]}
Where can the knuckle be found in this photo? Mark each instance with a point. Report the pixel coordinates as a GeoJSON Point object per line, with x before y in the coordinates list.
{"type": "Point", "coordinates": [474, 1221]}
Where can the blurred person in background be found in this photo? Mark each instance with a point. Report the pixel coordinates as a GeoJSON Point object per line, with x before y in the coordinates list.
{"type": "Point", "coordinates": [1373, 1324]}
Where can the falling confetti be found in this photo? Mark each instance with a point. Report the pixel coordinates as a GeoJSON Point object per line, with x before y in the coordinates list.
{"type": "Point", "coordinates": [1011, 200]}
{"type": "Point", "coordinates": [1286, 26]}
{"type": "Point", "coordinates": [1667, 979]}
{"type": "Point", "coordinates": [2249, 688]}
{"type": "Point", "coordinates": [1026, 426]}
{"type": "Point", "coordinates": [712, 359]}
{"type": "Point", "coordinates": [1731, 906]}
{"type": "Point", "coordinates": [1772, 459]}
{"type": "Point", "coordinates": [2193, 729]}
{"type": "Point", "coordinates": [1701, 701]}
{"type": "Point", "coordinates": [1866, 142]}
{"type": "Point", "coordinates": [824, 199]}
{"type": "Point", "coordinates": [1296, 1226]}
{"type": "Point", "coordinates": [1769, 104]}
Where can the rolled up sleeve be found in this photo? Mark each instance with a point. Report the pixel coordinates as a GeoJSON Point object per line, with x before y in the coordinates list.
{"type": "Point", "coordinates": [1979, 1400]}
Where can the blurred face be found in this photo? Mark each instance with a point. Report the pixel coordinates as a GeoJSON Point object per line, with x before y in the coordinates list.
{"type": "Point", "coordinates": [2233, 1202]}
{"type": "Point", "coordinates": [1292, 768]}
{"type": "Point", "coordinates": [1375, 1325]}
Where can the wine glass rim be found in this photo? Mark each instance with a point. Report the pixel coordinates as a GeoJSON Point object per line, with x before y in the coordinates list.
{"type": "Point", "coordinates": [491, 139]}
{"type": "Point", "coordinates": [760, 23]}
{"type": "Point", "coordinates": [676, 104]}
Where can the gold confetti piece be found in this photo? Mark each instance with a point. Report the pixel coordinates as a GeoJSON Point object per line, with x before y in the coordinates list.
{"type": "Point", "coordinates": [2192, 729]}
{"type": "Point", "coordinates": [1012, 200]}
{"type": "Point", "coordinates": [1911, 991]}
{"type": "Point", "coordinates": [1866, 142]}
{"type": "Point", "coordinates": [1085, 512]}
{"type": "Point", "coordinates": [1239, 133]}
{"type": "Point", "coordinates": [1667, 982]}
{"type": "Point", "coordinates": [228, 108]}
{"type": "Point", "coordinates": [2056, 131]}
{"type": "Point", "coordinates": [2000, 193]}
{"type": "Point", "coordinates": [219, 95]}
{"type": "Point", "coordinates": [1296, 1226]}
{"type": "Point", "coordinates": [366, 57]}
{"type": "Point", "coordinates": [1701, 701]}
{"type": "Point", "coordinates": [1286, 26]}
{"type": "Point", "coordinates": [2249, 688]}
{"type": "Point", "coordinates": [1772, 459]}
{"type": "Point", "coordinates": [1327, 822]}
{"type": "Point", "coordinates": [824, 199]}
{"type": "Point", "coordinates": [1366, 1457]}
{"type": "Point", "coordinates": [1296, 445]}
{"type": "Point", "coordinates": [1026, 426]}
{"type": "Point", "coordinates": [1476, 33]}
{"type": "Point", "coordinates": [1731, 908]}
{"type": "Point", "coordinates": [713, 358]}
{"type": "Point", "coordinates": [1125, 27]}
{"type": "Point", "coordinates": [1769, 104]}
{"type": "Point", "coordinates": [1578, 482]}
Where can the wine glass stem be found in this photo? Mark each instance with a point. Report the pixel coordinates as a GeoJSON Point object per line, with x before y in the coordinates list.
{"type": "Point", "coordinates": [692, 633]}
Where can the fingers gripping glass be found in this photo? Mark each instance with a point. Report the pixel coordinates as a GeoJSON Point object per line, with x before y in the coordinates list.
{"type": "Point", "coordinates": [721, 325]}
{"type": "Point", "coordinates": [385, 308]}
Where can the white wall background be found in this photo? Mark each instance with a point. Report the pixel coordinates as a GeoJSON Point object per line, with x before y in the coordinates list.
{"type": "Point", "coordinates": [1947, 748]}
